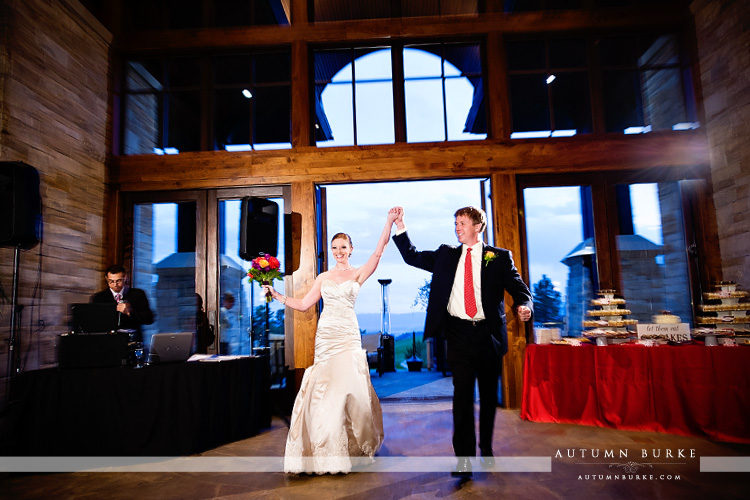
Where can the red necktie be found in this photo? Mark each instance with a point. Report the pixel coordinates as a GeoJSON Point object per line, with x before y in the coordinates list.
{"type": "Point", "coordinates": [470, 302]}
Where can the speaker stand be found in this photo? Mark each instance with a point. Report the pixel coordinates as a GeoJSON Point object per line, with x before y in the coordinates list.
{"type": "Point", "coordinates": [13, 327]}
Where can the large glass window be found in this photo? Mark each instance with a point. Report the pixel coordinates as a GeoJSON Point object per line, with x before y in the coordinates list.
{"type": "Point", "coordinates": [561, 253]}
{"type": "Point", "coordinates": [442, 85]}
{"type": "Point", "coordinates": [652, 251]}
{"type": "Point", "coordinates": [643, 255]}
{"type": "Point", "coordinates": [642, 84]}
{"type": "Point", "coordinates": [549, 88]}
{"type": "Point", "coordinates": [164, 262]}
{"type": "Point", "coordinates": [252, 101]}
{"type": "Point", "coordinates": [354, 97]}
{"type": "Point", "coordinates": [444, 93]}
{"type": "Point", "coordinates": [245, 319]}
{"type": "Point", "coordinates": [164, 110]}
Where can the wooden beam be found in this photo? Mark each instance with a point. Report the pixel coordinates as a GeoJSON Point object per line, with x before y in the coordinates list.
{"type": "Point", "coordinates": [542, 22]}
{"type": "Point", "coordinates": [507, 235]}
{"type": "Point", "coordinates": [300, 331]}
{"type": "Point", "coordinates": [496, 88]}
{"type": "Point", "coordinates": [301, 95]}
{"type": "Point", "coordinates": [214, 169]}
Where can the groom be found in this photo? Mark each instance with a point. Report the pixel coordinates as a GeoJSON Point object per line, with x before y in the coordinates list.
{"type": "Point", "coordinates": [467, 308]}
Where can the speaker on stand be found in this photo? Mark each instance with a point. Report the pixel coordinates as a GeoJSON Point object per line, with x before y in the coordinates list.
{"type": "Point", "coordinates": [20, 228]}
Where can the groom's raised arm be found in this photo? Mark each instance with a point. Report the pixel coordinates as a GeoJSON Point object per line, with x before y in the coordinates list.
{"type": "Point", "coordinates": [421, 259]}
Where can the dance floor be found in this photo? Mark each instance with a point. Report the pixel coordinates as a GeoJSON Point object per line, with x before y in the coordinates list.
{"type": "Point", "coordinates": [583, 462]}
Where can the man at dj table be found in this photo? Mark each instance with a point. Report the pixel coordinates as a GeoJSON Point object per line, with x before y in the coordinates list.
{"type": "Point", "coordinates": [132, 303]}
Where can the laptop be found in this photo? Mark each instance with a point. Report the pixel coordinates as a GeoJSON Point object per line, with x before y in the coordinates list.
{"type": "Point", "coordinates": [88, 318]}
{"type": "Point", "coordinates": [170, 347]}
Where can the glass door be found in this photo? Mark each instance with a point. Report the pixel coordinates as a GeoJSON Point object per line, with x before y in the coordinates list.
{"type": "Point", "coordinates": [186, 256]}
{"type": "Point", "coordinates": [168, 263]}
{"type": "Point", "coordinates": [244, 319]}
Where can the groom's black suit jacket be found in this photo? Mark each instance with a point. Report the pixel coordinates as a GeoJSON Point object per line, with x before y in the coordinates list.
{"type": "Point", "coordinates": [497, 275]}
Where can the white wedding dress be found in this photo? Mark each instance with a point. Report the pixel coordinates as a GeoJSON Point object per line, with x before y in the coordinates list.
{"type": "Point", "coordinates": [336, 415]}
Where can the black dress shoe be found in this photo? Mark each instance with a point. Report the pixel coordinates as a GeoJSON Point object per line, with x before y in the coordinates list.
{"type": "Point", "coordinates": [487, 458]}
{"type": "Point", "coordinates": [463, 469]}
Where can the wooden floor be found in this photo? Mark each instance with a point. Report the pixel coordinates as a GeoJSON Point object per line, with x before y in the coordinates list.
{"type": "Point", "coordinates": [422, 428]}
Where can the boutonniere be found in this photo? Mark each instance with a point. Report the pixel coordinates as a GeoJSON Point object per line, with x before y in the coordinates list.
{"type": "Point", "coordinates": [489, 256]}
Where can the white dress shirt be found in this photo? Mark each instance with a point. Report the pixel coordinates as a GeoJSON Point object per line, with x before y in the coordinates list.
{"type": "Point", "coordinates": [456, 306]}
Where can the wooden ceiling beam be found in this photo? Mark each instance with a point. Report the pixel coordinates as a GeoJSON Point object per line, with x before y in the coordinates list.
{"type": "Point", "coordinates": [404, 28]}
{"type": "Point", "coordinates": [215, 169]}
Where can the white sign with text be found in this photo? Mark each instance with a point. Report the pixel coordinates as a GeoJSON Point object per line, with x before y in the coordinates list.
{"type": "Point", "coordinates": [676, 332]}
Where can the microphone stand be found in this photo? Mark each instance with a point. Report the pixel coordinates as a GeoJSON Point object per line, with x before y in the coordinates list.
{"type": "Point", "coordinates": [13, 327]}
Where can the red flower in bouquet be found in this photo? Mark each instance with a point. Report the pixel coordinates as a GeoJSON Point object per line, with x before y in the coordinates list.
{"type": "Point", "coordinates": [264, 270]}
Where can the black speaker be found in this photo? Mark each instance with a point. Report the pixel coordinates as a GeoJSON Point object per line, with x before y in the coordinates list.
{"type": "Point", "coordinates": [259, 227]}
{"type": "Point", "coordinates": [20, 205]}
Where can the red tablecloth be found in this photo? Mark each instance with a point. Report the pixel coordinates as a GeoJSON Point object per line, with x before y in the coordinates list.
{"type": "Point", "coordinates": [689, 390]}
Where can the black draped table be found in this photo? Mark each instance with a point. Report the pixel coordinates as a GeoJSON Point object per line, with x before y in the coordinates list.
{"type": "Point", "coordinates": [689, 390]}
{"type": "Point", "coordinates": [158, 410]}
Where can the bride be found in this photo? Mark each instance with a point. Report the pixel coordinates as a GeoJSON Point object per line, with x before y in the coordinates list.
{"type": "Point", "coordinates": [336, 415]}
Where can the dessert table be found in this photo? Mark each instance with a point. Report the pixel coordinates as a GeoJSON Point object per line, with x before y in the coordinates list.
{"type": "Point", "coordinates": [690, 390]}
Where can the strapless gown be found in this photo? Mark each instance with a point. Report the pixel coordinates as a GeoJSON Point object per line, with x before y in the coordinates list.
{"type": "Point", "coordinates": [337, 414]}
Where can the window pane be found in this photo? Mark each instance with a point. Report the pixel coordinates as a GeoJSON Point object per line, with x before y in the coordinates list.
{"type": "Point", "coordinates": [622, 106]}
{"type": "Point", "coordinates": [466, 57]}
{"type": "Point", "coordinates": [330, 63]}
{"type": "Point", "coordinates": [183, 121]}
{"type": "Point", "coordinates": [618, 52]}
{"type": "Point", "coordinates": [144, 75]}
{"type": "Point", "coordinates": [567, 53]}
{"type": "Point", "coordinates": [141, 119]}
{"type": "Point", "coordinates": [185, 72]}
{"type": "Point", "coordinates": [375, 113]}
{"type": "Point", "coordinates": [422, 61]}
{"type": "Point", "coordinates": [459, 97]}
{"type": "Point", "coordinates": [338, 109]}
{"type": "Point", "coordinates": [242, 319]}
{"type": "Point", "coordinates": [273, 67]}
{"type": "Point", "coordinates": [658, 50]}
{"type": "Point", "coordinates": [524, 54]}
{"type": "Point", "coordinates": [563, 275]}
{"type": "Point", "coordinates": [231, 118]}
{"type": "Point", "coordinates": [529, 103]}
{"type": "Point", "coordinates": [424, 111]}
{"type": "Point", "coordinates": [372, 64]}
{"type": "Point", "coordinates": [232, 69]}
{"type": "Point", "coordinates": [653, 259]}
{"type": "Point", "coordinates": [165, 272]}
{"type": "Point", "coordinates": [272, 115]}
{"type": "Point", "coordinates": [571, 102]}
{"type": "Point", "coordinates": [664, 103]}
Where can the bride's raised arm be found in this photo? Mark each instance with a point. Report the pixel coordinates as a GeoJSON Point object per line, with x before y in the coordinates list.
{"type": "Point", "coordinates": [372, 263]}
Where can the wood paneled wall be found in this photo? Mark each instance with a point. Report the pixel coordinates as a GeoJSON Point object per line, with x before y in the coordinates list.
{"type": "Point", "coordinates": [54, 114]}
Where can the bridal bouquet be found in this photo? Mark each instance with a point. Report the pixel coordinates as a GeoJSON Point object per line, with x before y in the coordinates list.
{"type": "Point", "coordinates": [264, 270]}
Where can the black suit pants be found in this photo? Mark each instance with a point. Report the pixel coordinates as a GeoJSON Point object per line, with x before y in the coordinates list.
{"type": "Point", "coordinates": [472, 357]}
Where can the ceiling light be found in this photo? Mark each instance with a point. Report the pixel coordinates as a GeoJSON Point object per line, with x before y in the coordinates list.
{"type": "Point", "coordinates": [247, 93]}
{"type": "Point", "coordinates": [550, 79]}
